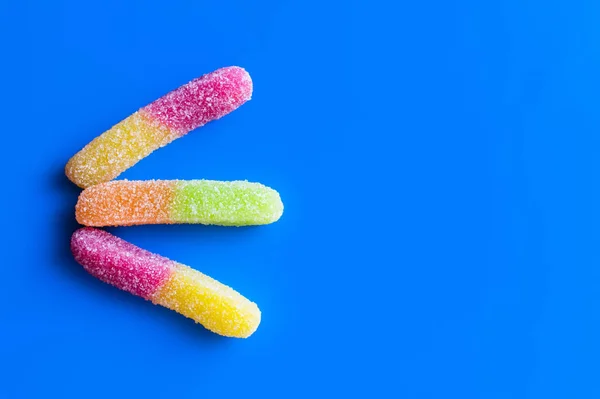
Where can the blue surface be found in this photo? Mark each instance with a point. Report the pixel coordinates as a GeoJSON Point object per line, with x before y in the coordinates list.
{"type": "Point", "coordinates": [438, 161]}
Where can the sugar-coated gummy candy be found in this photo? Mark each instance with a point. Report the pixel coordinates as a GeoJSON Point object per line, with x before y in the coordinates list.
{"type": "Point", "coordinates": [126, 203]}
{"type": "Point", "coordinates": [216, 306]}
{"type": "Point", "coordinates": [190, 106]}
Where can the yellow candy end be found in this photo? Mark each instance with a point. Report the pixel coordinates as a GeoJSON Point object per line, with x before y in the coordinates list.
{"type": "Point", "coordinates": [216, 306]}
{"type": "Point", "coordinates": [117, 149]}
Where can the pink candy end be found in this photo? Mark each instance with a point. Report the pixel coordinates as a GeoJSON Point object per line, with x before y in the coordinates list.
{"type": "Point", "coordinates": [202, 100]}
{"type": "Point", "coordinates": [120, 263]}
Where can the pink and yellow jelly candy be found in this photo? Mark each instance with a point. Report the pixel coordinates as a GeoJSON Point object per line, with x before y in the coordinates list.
{"type": "Point", "coordinates": [216, 306]}
{"type": "Point", "coordinates": [190, 106]}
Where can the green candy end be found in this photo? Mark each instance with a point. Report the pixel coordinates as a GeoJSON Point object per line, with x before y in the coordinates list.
{"type": "Point", "coordinates": [236, 203]}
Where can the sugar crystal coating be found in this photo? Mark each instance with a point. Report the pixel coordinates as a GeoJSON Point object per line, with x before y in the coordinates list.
{"type": "Point", "coordinates": [118, 149]}
{"type": "Point", "coordinates": [205, 300]}
{"type": "Point", "coordinates": [202, 100]}
{"type": "Point", "coordinates": [192, 105]}
{"type": "Point", "coordinates": [236, 203]}
{"type": "Point", "coordinates": [214, 305]}
{"type": "Point", "coordinates": [120, 263]}
{"type": "Point", "coordinates": [123, 202]}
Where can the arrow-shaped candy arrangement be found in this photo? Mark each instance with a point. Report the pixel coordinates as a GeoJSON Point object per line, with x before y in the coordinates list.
{"type": "Point", "coordinates": [103, 202]}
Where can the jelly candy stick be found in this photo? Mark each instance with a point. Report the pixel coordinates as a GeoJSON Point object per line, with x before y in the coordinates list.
{"type": "Point", "coordinates": [126, 203]}
{"type": "Point", "coordinates": [164, 282]}
{"type": "Point", "coordinates": [190, 106]}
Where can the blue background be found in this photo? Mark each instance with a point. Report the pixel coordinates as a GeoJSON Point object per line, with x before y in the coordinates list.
{"type": "Point", "coordinates": [438, 161]}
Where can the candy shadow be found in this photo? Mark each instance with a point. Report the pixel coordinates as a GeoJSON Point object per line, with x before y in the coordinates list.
{"type": "Point", "coordinates": [189, 327]}
{"type": "Point", "coordinates": [192, 235]}
{"type": "Point", "coordinates": [65, 226]}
